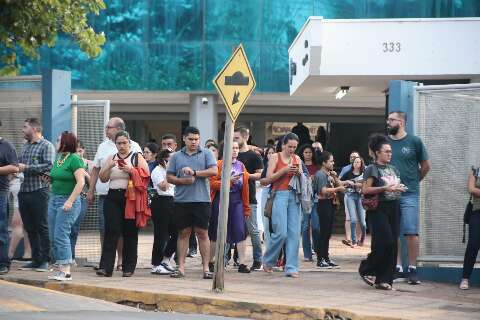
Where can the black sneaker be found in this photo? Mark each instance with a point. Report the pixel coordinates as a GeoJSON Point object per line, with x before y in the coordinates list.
{"type": "Point", "coordinates": [412, 276]}
{"type": "Point", "coordinates": [332, 264]}
{"type": "Point", "coordinates": [192, 253]}
{"type": "Point", "coordinates": [243, 269]}
{"type": "Point", "coordinates": [31, 266]}
{"type": "Point", "coordinates": [399, 276]}
{"type": "Point", "coordinates": [4, 270]}
{"type": "Point", "coordinates": [322, 264]}
{"type": "Point", "coordinates": [256, 266]}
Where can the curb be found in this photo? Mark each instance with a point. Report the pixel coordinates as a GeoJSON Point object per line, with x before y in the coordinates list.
{"type": "Point", "coordinates": [166, 302]}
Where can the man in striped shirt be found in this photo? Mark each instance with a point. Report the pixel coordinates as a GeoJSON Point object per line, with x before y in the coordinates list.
{"type": "Point", "coordinates": [35, 162]}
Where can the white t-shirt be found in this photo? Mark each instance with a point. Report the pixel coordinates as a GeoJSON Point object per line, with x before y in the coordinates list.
{"type": "Point", "coordinates": [158, 175]}
{"type": "Point", "coordinates": [107, 149]}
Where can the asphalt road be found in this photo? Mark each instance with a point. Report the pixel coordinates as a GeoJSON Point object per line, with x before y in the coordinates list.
{"type": "Point", "coordinates": [22, 302]}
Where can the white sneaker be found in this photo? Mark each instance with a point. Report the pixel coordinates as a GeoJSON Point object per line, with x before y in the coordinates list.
{"type": "Point", "coordinates": [60, 276]}
{"type": "Point", "coordinates": [464, 284]}
{"type": "Point", "coordinates": [161, 270]}
{"type": "Point", "coordinates": [167, 266]}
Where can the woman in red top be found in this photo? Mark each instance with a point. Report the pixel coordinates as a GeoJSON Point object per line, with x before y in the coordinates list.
{"type": "Point", "coordinates": [286, 215]}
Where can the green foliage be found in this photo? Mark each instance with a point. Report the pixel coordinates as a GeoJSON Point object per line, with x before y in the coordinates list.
{"type": "Point", "coordinates": [26, 25]}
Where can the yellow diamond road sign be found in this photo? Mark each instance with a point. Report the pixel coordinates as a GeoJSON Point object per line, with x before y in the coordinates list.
{"type": "Point", "coordinates": [235, 82]}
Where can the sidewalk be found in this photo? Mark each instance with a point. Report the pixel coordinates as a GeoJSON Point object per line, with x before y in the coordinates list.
{"type": "Point", "coordinates": [273, 296]}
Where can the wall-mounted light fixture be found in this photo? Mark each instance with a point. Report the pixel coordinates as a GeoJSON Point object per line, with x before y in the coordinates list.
{"type": "Point", "coordinates": [341, 92]}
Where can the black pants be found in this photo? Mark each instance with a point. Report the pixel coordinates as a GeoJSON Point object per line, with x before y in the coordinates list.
{"type": "Point", "coordinates": [116, 226]}
{"type": "Point", "coordinates": [326, 213]}
{"type": "Point", "coordinates": [33, 208]}
{"type": "Point", "coordinates": [385, 230]}
{"type": "Point", "coordinates": [473, 244]}
{"type": "Point", "coordinates": [163, 226]}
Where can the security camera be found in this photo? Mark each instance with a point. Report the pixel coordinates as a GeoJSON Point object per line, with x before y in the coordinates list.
{"type": "Point", "coordinates": [204, 100]}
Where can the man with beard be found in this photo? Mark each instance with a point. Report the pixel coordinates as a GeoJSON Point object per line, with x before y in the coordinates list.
{"type": "Point", "coordinates": [36, 161]}
{"type": "Point", "coordinates": [254, 165]}
{"type": "Point", "coordinates": [410, 157]}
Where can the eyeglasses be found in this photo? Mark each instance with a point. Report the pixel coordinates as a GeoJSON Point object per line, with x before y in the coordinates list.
{"type": "Point", "coordinates": [110, 127]}
{"type": "Point", "coordinates": [393, 119]}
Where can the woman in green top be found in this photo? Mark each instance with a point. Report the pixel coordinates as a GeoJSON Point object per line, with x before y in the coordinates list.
{"type": "Point", "coordinates": [67, 180]}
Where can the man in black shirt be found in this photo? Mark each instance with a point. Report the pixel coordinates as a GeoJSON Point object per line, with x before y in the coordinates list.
{"type": "Point", "coordinates": [8, 165]}
{"type": "Point", "coordinates": [254, 165]}
{"type": "Point", "coordinates": [303, 133]}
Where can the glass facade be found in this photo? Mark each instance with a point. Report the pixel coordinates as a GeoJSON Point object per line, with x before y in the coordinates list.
{"type": "Point", "coordinates": [181, 44]}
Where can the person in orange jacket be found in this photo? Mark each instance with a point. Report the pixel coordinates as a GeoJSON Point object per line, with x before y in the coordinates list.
{"type": "Point", "coordinates": [238, 209]}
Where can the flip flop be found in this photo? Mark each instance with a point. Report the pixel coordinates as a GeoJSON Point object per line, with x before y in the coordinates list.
{"type": "Point", "coordinates": [177, 274]}
{"type": "Point", "coordinates": [370, 280]}
{"type": "Point", "coordinates": [207, 275]}
{"type": "Point", "coordinates": [293, 275]}
{"type": "Point", "coordinates": [383, 286]}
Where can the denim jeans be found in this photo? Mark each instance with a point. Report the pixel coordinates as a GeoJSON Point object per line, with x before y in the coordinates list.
{"type": "Point", "coordinates": [78, 223]}
{"type": "Point", "coordinates": [4, 237]}
{"type": "Point", "coordinates": [286, 230]}
{"type": "Point", "coordinates": [252, 227]}
{"type": "Point", "coordinates": [310, 219]}
{"type": "Point", "coordinates": [356, 212]}
{"type": "Point", "coordinates": [60, 223]}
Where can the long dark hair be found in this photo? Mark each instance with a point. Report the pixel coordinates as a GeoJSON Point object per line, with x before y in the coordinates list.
{"type": "Point", "coordinates": [376, 142]}
{"type": "Point", "coordinates": [302, 149]}
{"type": "Point", "coordinates": [162, 157]}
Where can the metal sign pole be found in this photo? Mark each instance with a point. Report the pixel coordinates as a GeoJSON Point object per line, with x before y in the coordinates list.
{"type": "Point", "coordinates": [218, 279]}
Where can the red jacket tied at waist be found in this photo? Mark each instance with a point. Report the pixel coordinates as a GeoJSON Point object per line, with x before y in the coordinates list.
{"type": "Point", "coordinates": [137, 197]}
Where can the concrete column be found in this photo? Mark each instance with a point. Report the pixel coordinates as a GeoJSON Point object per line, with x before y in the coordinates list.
{"type": "Point", "coordinates": [56, 103]}
{"type": "Point", "coordinates": [401, 99]}
{"type": "Point", "coordinates": [204, 116]}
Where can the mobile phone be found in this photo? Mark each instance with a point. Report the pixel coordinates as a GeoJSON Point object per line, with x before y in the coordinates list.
{"type": "Point", "coordinates": [121, 162]}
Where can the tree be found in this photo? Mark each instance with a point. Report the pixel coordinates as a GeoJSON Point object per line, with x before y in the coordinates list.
{"type": "Point", "coordinates": [26, 25]}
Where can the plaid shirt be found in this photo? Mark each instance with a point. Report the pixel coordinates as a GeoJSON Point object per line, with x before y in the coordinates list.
{"type": "Point", "coordinates": [38, 157]}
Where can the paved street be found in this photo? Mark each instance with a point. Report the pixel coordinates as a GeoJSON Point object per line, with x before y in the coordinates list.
{"type": "Point", "coordinates": [250, 295]}
{"type": "Point", "coordinates": [21, 302]}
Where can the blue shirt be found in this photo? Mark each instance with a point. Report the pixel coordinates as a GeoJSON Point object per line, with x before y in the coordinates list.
{"type": "Point", "coordinates": [407, 154]}
{"type": "Point", "coordinates": [199, 191]}
{"type": "Point", "coordinates": [345, 170]}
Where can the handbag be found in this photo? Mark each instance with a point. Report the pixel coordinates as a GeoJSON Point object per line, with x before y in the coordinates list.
{"type": "Point", "coordinates": [267, 211]}
{"type": "Point", "coordinates": [370, 203]}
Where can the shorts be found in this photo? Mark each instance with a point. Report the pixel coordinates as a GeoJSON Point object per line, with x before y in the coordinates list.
{"type": "Point", "coordinates": [409, 214]}
{"type": "Point", "coordinates": [192, 214]}
{"type": "Point", "coordinates": [14, 190]}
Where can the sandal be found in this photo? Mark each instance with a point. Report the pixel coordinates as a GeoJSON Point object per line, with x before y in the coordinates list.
{"type": "Point", "coordinates": [177, 274]}
{"type": "Point", "coordinates": [207, 275]}
{"type": "Point", "coordinates": [383, 286]}
{"type": "Point", "coordinates": [293, 275]}
{"type": "Point", "coordinates": [370, 280]}
{"type": "Point", "coordinates": [267, 269]}
{"type": "Point", "coordinates": [119, 267]}
{"type": "Point", "coordinates": [347, 243]}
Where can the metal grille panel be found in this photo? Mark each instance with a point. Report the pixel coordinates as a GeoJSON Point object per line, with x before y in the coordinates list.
{"type": "Point", "coordinates": [448, 122]}
{"type": "Point", "coordinates": [91, 119]}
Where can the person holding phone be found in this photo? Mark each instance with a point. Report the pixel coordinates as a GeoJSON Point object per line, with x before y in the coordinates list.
{"type": "Point", "coordinates": [382, 180]}
{"type": "Point", "coordinates": [285, 220]}
{"type": "Point", "coordinates": [117, 173]}
{"type": "Point", "coordinates": [238, 209]}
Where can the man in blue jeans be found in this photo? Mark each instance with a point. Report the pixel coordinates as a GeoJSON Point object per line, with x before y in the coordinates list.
{"type": "Point", "coordinates": [8, 165]}
{"type": "Point", "coordinates": [254, 165]}
{"type": "Point", "coordinates": [410, 157]}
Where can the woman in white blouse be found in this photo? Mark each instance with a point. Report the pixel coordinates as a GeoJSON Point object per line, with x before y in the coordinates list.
{"type": "Point", "coordinates": [162, 216]}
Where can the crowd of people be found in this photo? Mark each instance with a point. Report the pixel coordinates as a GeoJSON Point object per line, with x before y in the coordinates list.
{"type": "Point", "coordinates": [179, 190]}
